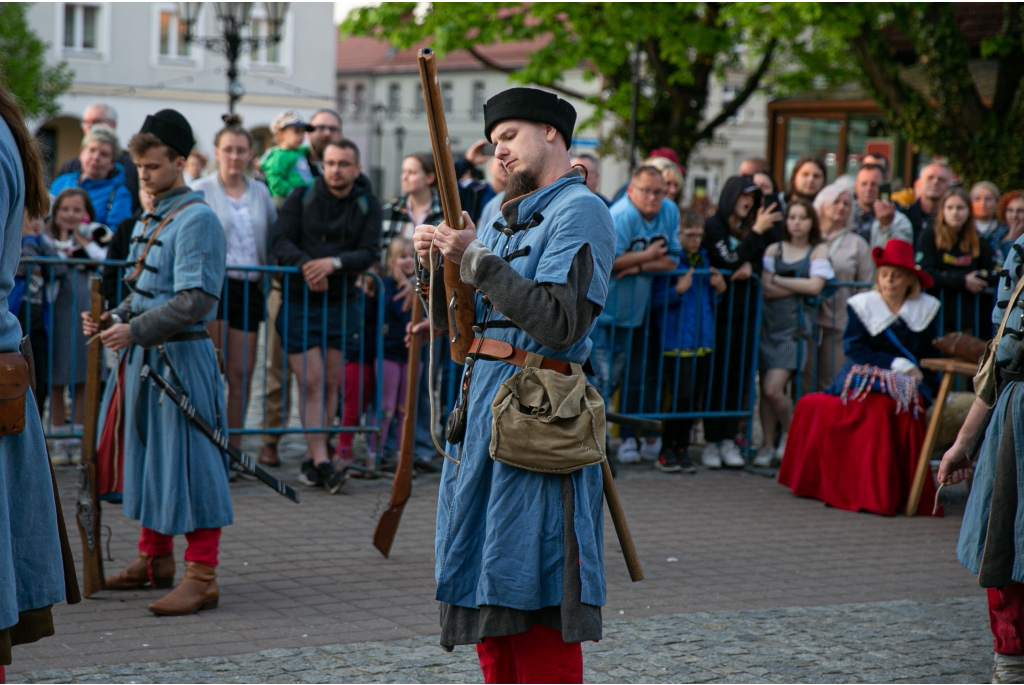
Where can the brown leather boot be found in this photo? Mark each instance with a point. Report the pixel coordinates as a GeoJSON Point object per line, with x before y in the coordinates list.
{"type": "Point", "coordinates": [197, 591]}
{"type": "Point", "coordinates": [143, 569]}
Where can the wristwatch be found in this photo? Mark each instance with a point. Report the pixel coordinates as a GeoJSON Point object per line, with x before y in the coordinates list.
{"type": "Point", "coordinates": [336, 261]}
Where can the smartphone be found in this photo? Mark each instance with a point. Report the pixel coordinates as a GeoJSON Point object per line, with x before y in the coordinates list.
{"type": "Point", "coordinates": [488, 150]}
{"type": "Point", "coordinates": [884, 191]}
{"type": "Point", "coordinates": [768, 201]}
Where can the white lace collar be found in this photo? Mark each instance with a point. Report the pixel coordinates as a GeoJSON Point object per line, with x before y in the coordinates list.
{"type": "Point", "coordinates": [874, 313]}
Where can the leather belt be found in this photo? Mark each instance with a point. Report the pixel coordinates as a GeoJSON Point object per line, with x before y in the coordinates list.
{"type": "Point", "coordinates": [1011, 376]}
{"type": "Point", "coordinates": [188, 335]}
{"type": "Point", "coordinates": [499, 350]}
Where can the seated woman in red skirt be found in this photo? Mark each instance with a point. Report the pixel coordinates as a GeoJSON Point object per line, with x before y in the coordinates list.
{"type": "Point", "coordinates": [855, 446]}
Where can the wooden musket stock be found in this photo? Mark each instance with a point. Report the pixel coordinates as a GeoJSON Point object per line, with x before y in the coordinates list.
{"type": "Point", "coordinates": [387, 524]}
{"type": "Point", "coordinates": [460, 298]}
{"type": "Point", "coordinates": [88, 507]}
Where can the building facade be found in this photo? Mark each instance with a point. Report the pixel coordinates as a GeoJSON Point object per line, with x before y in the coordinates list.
{"type": "Point", "coordinates": [378, 92]}
{"type": "Point", "coordinates": [133, 56]}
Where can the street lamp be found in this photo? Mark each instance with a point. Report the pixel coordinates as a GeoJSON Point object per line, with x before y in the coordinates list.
{"type": "Point", "coordinates": [233, 16]}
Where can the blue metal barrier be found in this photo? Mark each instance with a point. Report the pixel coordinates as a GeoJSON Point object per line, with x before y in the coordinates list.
{"type": "Point", "coordinates": [358, 345]}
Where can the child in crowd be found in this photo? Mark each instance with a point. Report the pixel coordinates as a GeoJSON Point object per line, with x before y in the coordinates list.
{"type": "Point", "coordinates": [358, 376]}
{"type": "Point", "coordinates": [398, 264]}
{"type": "Point", "coordinates": [29, 302]}
{"type": "Point", "coordinates": [686, 309]}
{"type": "Point", "coordinates": [72, 211]}
{"type": "Point", "coordinates": [285, 166]}
{"type": "Point", "coordinates": [794, 270]}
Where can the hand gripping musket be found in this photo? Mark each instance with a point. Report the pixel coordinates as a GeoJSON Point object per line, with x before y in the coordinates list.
{"type": "Point", "coordinates": [460, 296]}
{"type": "Point", "coordinates": [401, 489]}
{"type": "Point", "coordinates": [88, 505]}
{"type": "Point", "coordinates": [214, 434]}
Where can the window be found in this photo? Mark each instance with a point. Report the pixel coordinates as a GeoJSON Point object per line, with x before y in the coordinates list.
{"type": "Point", "coordinates": [729, 93]}
{"type": "Point", "coordinates": [172, 36]}
{"type": "Point", "coordinates": [343, 102]}
{"type": "Point", "coordinates": [479, 94]}
{"type": "Point", "coordinates": [360, 103]}
{"type": "Point", "coordinates": [81, 27]}
{"type": "Point", "coordinates": [267, 54]}
{"type": "Point", "coordinates": [394, 100]}
{"type": "Point", "coordinates": [446, 97]}
{"type": "Point", "coordinates": [419, 107]}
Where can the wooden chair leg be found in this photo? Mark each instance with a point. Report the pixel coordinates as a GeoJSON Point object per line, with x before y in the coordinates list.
{"type": "Point", "coordinates": [924, 460]}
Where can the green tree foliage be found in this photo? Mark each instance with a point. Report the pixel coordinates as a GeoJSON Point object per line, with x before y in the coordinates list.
{"type": "Point", "coordinates": [927, 91]}
{"type": "Point", "coordinates": [683, 45]}
{"type": "Point", "coordinates": [23, 68]}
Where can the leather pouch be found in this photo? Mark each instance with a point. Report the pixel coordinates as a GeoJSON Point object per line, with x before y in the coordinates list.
{"type": "Point", "coordinates": [14, 381]}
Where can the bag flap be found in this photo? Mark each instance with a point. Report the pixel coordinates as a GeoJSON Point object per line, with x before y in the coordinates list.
{"type": "Point", "coordinates": [549, 394]}
{"type": "Point", "coordinates": [14, 378]}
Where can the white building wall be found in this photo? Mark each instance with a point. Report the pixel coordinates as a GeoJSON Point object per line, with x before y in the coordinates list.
{"type": "Point", "coordinates": [126, 70]}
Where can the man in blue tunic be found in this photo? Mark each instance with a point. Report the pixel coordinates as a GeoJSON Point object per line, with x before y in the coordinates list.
{"type": "Point", "coordinates": [992, 533]}
{"type": "Point", "coordinates": [32, 575]}
{"type": "Point", "coordinates": [520, 562]}
{"type": "Point", "coordinates": [175, 478]}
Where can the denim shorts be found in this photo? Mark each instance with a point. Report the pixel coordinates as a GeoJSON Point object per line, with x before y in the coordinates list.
{"type": "Point", "coordinates": [313, 327]}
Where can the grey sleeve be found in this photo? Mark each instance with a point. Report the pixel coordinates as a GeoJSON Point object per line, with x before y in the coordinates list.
{"type": "Point", "coordinates": [186, 308]}
{"type": "Point", "coordinates": [554, 314]}
{"type": "Point", "coordinates": [123, 309]}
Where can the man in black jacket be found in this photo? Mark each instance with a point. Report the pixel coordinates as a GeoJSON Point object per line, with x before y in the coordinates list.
{"type": "Point", "coordinates": [331, 231]}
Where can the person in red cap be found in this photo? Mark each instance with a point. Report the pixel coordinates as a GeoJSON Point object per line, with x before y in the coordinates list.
{"type": "Point", "coordinates": [855, 446]}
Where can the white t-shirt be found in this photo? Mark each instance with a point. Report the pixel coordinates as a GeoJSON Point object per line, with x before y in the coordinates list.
{"type": "Point", "coordinates": [241, 247]}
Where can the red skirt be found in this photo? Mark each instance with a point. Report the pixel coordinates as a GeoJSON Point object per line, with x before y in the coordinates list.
{"type": "Point", "coordinates": [861, 456]}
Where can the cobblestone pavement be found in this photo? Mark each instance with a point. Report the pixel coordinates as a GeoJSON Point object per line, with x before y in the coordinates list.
{"type": "Point", "coordinates": [903, 641]}
{"type": "Point", "coordinates": [797, 589]}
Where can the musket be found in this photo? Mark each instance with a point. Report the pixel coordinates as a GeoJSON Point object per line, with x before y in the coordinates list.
{"type": "Point", "coordinates": [215, 435]}
{"type": "Point", "coordinates": [460, 296]}
{"type": "Point", "coordinates": [88, 506]}
{"type": "Point", "coordinates": [401, 488]}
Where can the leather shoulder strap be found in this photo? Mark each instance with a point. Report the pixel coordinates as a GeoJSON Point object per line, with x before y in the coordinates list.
{"type": "Point", "coordinates": [1009, 308]}
{"type": "Point", "coordinates": [141, 263]}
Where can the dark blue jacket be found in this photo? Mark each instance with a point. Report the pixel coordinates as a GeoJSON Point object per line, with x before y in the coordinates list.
{"type": "Point", "coordinates": [683, 317]}
{"type": "Point", "coordinates": [395, 321]}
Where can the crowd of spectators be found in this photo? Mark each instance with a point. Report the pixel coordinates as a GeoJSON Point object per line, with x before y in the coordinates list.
{"type": "Point", "coordinates": [708, 300]}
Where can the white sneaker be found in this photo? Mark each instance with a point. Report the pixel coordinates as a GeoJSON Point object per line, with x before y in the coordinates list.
{"type": "Point", "coordinates": [74, 451]}
{"type": "Point", "coordinates": [764, 457]}
{"type": "Point", "coordinates": [628, 452]}
{"type": "Point", "coordinates": [781, 449]}
{"type": "Point", "coordinates": [731, 455]}
{"type": "Point", "coordinates": [649, 451]}
{"type": "Point", "coordinates": [710, 457]}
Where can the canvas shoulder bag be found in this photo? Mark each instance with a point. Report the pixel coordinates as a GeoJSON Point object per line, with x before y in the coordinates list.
{"type": "Point", "coordinates": [547, 421]}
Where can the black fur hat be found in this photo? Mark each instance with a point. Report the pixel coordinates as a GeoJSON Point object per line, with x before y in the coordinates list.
{"type": "Point", "coordinates": [172, 129]}
{"type": "Point", "coordinates": [533, 105]}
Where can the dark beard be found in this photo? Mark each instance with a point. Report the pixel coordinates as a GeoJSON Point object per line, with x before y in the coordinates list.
{"type": "Point", "coordinates": [520, 183]}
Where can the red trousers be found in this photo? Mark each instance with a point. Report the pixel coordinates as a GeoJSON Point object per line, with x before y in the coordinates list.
{"type": "Point", "coordinates": [1006, 617]}
{"type": "Point", "coordinates": [356, 376]}
{"type": "Point", "coordinates": [537, 656]}
{"type": "Point", "coordinates": [203, 544]}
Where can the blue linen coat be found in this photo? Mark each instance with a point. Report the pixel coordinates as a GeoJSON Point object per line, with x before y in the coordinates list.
{"type": "Point", "coordinates": [175, 478]}
{"type": "Point", "coordinates": [499, 528]}
{"type": "Point", "coordinates": [971, 545]}
{"type": "Point", "coordinates": [31, 569]}
{"type": "Point", "coordinates": [110, 196]}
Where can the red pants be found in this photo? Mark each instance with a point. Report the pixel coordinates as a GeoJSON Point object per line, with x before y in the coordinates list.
{"type": "Point", "coordinates": [1006, 617]}
{"type": "Point", "coordinates": [355, 375]}
{"type": "Point", "coordinates": [203, 544]}
{"type": "Point", "coordinates": [537, 656]}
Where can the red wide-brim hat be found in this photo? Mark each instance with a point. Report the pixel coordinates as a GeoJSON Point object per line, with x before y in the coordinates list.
{"type": "Point", "coordinates": [900, 253]}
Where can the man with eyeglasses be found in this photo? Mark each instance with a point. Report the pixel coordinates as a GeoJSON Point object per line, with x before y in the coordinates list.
{"type": "Point", "coordinates": [646, 240]}
{"type": "Point", "coordinates": [326, 125]}
{"type": "Point", "coordinates": [102, 113]}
